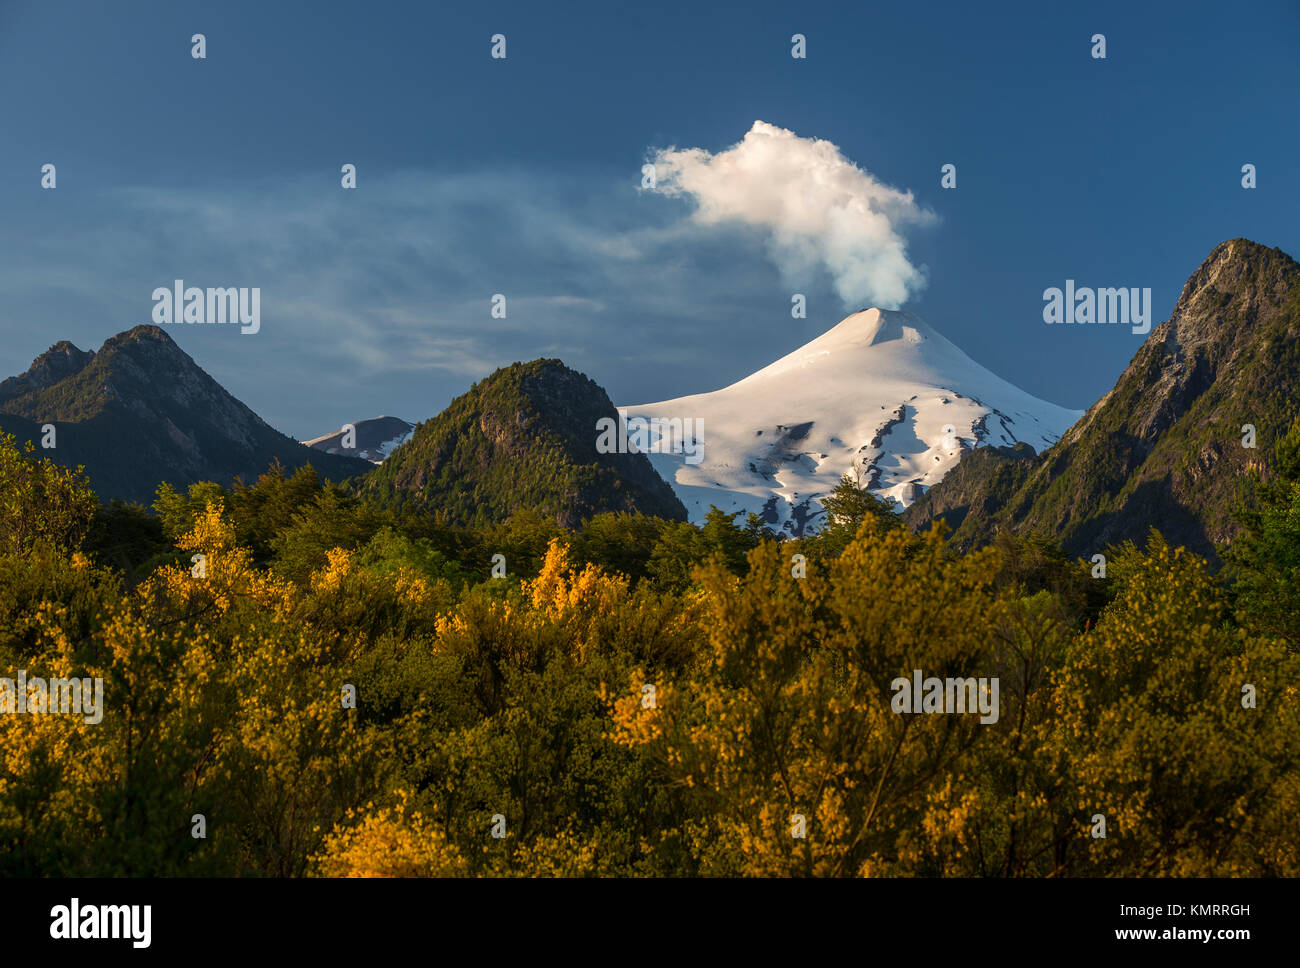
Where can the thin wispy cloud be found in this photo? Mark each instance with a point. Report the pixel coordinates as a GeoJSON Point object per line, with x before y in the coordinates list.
{"type": "Point", "coordinates": [384, 293]}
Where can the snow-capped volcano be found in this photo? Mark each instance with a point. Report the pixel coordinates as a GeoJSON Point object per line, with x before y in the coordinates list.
{"type": "Point", "coordinates": [881, 392]}
{"type": "Point", "coordinates": [372, 439]}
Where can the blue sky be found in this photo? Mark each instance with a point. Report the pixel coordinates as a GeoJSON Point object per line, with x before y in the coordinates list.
{"type": "Point", "coordinates": [522, 176]}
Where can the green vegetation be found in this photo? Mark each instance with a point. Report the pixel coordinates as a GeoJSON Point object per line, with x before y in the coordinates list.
{"type": "Point", "coordinates": [636, 697]}
{"type": "Point", "coordinates": [525, 437]}
{"type": "Point", "coordinates": [1265, 559]}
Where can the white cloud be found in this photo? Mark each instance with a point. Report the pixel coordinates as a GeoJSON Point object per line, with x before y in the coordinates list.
{"type": "Point", "coordinates": [815, 206]}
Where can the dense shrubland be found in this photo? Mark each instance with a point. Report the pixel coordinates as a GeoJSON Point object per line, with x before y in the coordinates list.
{"type": "Point", "coordinates": [637, 697]}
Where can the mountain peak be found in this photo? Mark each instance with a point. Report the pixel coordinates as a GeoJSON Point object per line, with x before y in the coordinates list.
{"type": "Point", "coordinates": [141, 411]}
{"type": "Point", "coordinates": [58, 362]}
{"type": "Point", "coordinates": [145, 331]}
{"type": "Point", "coordinates": [1246, 269]}
{"type": "Point", "coordinates": [372, 439]}
{"type": "Point", "coordinates": [871, 327]}
{"type": "Point", "coordinates": [881, 392]}
{"type": "Point", "coordinates": [1163, 448]}
{"type": "Point", "coordinates": [146, 334]}
{"type": "Point", "coordinates": [528, 435]}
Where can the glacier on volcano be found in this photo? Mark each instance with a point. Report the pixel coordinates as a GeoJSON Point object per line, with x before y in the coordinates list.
{"type": "Point", "coordinates": [881, 395]}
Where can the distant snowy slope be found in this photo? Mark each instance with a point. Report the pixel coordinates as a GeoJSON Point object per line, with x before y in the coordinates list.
{"type": "Point", "coordinates": [882, 389]}
{"type": "Point", "coordinates": [375, 439]}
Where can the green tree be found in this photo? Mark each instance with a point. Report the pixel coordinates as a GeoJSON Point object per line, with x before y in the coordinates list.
{"type": "Point", "coordinates": [41, 501]}
{"type": "Point", "coordinates": [786, 718]}
{"type": "Point", "coordinates": [1264, 560]}
{"type": "Point", "coordinates": [1176, 727]}
{"type": "Point", "coordinates": [620, 541]}
{"type": "Point", "coordinates": [127, 537]}
{"type": "Point", "coordinates": [846, 507]}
